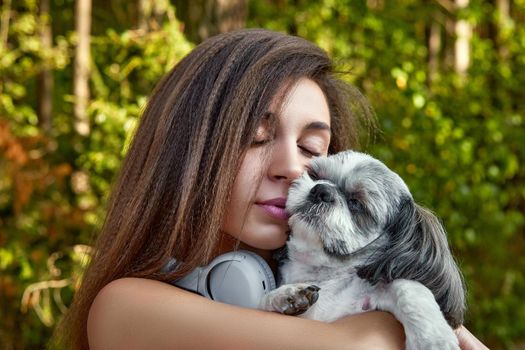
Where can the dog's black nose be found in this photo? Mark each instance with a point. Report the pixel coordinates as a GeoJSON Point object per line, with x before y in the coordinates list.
{"type": "Point", "coordinates": [321, 193]}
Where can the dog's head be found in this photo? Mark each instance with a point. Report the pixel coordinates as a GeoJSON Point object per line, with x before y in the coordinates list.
{"type": "Point", "coordinates": [351, 205]}
{"type": "Point", "coordinates": [343, 202]}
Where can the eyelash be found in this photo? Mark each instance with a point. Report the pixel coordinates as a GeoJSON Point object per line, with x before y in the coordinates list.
{"type": "Point", "coordinates": [313, 175]}
{"type": "Point", "coordinates": [261, 142]}
{"type": "Point", "coordinates": [309, 153]}
{"type": "Point", "coordinates": [303, 149]}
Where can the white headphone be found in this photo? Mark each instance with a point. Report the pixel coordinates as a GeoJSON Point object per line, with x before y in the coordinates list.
{"type": "Point", "coordinates": [240, 278]}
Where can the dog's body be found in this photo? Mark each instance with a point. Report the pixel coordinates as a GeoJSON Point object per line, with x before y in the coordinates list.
{"type": "Point", "coordinates": [357, 235]}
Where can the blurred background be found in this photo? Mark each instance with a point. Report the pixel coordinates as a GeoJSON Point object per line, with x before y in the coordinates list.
{"type": "Point", "coordinates": [445, 78]}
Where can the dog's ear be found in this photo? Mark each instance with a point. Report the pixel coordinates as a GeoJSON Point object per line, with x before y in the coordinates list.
{"type": "Point", "coordinates": [417, 249]}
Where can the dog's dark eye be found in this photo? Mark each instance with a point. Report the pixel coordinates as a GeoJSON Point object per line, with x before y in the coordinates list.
{"type": "Point", "coordinates": [313, 175]}
{"type": "Point", "coordinates": [355, 205]}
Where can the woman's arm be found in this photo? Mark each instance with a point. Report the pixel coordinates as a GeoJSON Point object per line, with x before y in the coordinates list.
{"type": "Point", "coordinates": [133, 313]}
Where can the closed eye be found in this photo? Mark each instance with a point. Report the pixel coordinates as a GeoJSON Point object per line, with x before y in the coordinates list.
{"type": "Point", "coordinates": [309, 153]}
{"type": "Point", "coordinates": [256, 143]}
{"type": "Point", "coordinates": [354, 205]}
{"type": "Point", "coordinates": [313, 175]}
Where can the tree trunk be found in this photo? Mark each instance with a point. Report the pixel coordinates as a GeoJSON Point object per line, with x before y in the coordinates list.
{"type": "Point", "coordinates": [4, 29]}
{"type": "Point", "coordinates": [205, 18]}
{"type": "Point", "coordinates": [4, 24]}
{"type": "Point", "coordinates": [82, 60]}
{"type": "Point", "coordinates": [504, 22]}
{"type": "Point", "coordinates": [151, 14]}
{"type": "Point", "coordinates": [434, 48]}
{"type": "Point", "coordinates": [144, 12]}
{"type": "Point", "coordinates": [463, 32]}
{"type": "Point", "coordinates": [45, 77]}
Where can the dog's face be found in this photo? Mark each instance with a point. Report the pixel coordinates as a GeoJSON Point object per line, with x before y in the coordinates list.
{"type": "Point", "coordinates": [341, 204]}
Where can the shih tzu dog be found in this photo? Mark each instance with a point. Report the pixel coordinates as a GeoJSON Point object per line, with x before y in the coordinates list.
{"type": "Point", "coordinates": [359, 242]}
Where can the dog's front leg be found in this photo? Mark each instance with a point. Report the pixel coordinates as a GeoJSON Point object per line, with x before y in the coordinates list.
{"type": "Point", "coordinates": [415, 307]}
{"type": "Point", "coordinates": [290, 299]}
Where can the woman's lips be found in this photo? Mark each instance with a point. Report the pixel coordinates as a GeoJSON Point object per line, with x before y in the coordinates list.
{"type": "Point", "coordinates": [277, 212]}
{"type": "Point", "coordinates": [275, 207]}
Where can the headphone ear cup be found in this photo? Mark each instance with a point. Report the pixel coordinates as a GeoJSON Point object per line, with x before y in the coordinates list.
{"type": "Point", "coordinates": [239, 278]}
{"type": "Point", "coordinates": [269, 278]}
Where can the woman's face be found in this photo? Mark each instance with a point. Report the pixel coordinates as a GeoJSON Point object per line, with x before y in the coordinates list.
{"type": "Point", "coordinates": [255, 214]}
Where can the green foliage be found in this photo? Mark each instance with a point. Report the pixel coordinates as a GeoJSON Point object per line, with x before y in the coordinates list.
{"type": "Point", "coordinates": [459, 142]}
{"type": "Point", "coordinates": [53, 185]}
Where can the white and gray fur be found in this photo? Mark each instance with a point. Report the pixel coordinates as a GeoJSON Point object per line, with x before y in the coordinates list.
{"type": "Point", "coordinates": [358, 236]}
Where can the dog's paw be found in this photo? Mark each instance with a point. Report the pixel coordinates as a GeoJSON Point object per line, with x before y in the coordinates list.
{"type": "Point", "coordinates": [292, 299]}
{"type": "Point", "coordinates": [298, 299]}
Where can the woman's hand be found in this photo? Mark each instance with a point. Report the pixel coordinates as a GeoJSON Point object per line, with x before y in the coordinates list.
{"type": "Point", "coordinates": [467, 341]}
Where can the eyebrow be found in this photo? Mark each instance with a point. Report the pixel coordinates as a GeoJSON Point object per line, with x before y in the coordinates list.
{"type": "Point", "coordinates": [311, 126]}
{"type": "Point", "coordinates": [317, 126]}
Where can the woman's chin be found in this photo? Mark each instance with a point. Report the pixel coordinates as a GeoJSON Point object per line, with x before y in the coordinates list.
{"type": "Point", "coordinates": [266, 242]}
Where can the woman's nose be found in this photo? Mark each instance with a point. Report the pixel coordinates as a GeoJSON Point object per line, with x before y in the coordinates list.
{"type": "Point", "coordinates": [287, 164]}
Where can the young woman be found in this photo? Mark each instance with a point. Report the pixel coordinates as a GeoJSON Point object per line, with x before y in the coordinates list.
{"type": "Point", "coordinates": [221, 139]}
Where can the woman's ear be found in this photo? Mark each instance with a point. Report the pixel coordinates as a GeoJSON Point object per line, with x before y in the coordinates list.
{"type": "Point", "coordinates": [416, 248]}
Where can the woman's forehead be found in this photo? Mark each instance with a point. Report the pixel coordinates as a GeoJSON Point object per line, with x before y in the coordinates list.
{"type": "Point", "coordinates": [305, 105]}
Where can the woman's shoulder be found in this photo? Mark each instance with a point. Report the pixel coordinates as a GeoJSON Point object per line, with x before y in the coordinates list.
{"type": "Point", "coordinates": [121, 293]}
{"type": "Point", "coordinates": [115, 297]}
{"type": "Point", "coordinates": [129, 310]}
{"type": "Point", "coordinates": [131, 287]}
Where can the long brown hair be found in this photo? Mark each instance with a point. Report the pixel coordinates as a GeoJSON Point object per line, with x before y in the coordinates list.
{"type": "Point", "coordinates": [170, 196]}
